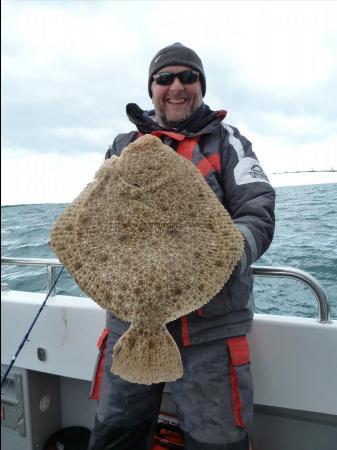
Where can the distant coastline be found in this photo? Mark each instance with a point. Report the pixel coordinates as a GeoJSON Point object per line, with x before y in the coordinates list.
{"type": "Point", "coordinates": [305, 171]}
{"type": "Point", "coordinates": [303, 177]}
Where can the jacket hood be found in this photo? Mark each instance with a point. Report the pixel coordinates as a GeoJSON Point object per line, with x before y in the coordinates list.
{"type": "Point", "coordinates": [202, 121]}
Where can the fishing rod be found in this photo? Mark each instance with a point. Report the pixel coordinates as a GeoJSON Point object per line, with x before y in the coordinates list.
{"type": "Point", "coordinates": [25, 339]}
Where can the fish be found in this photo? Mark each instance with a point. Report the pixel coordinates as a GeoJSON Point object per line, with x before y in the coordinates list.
{"type": "Point", "coordinates": [149, 241]}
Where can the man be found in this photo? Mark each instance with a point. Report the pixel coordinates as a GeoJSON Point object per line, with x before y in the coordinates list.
{"type": "Point", "coordinates": [214, 397]}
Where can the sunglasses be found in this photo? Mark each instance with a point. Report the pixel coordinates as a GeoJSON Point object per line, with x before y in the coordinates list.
{"type": "Point", "coordinates": [185, 77]}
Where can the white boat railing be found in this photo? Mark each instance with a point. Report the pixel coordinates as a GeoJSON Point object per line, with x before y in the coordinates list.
{"type": "Point", "coordinates": [324, 309]}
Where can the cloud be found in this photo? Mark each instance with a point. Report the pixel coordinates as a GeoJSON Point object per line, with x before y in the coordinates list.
{"type": "Point", "coordinates": [28, 177]}
{"type": "Point", "coordinates": [69, 69]}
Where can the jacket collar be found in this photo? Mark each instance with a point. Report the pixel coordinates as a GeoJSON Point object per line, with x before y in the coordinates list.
{"type": "Point", "coordinates": [202, 121]}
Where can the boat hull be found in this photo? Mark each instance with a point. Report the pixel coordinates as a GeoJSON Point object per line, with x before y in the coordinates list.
{"type": "Point", "coordinates": [294, 366]}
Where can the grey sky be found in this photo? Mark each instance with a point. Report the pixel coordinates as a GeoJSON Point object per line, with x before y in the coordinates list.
{"type": "Point", "coordinates": [70, 67]}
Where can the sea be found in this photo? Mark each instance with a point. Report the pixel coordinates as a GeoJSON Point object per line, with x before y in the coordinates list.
{"type": "Point", "coordinates": [305, 238]}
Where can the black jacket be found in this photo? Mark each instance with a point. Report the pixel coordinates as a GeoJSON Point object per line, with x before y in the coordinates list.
{"type": "Point", "coordinates": [233, 172]}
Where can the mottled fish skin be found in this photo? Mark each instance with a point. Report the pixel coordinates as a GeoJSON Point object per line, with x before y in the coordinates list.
{"type": "Point", "coordinates": [149, 241]}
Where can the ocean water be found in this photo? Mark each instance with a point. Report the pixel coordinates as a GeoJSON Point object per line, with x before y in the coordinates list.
{"type": "Point", "coordinates": [305, 238]}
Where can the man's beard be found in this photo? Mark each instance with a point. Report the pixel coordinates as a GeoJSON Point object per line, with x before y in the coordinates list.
{"type": "Point", "coordinates": [166, 122]}
{"type": "Point", "coordinates": [169, 119]}
{"type": "Point", "coordinates": [172, 123]}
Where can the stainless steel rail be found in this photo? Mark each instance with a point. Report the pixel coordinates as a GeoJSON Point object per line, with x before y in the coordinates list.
{"type": "Point", "coordinates": [51, 265]}
{"type": "Point", "coordinates": [324, 309]}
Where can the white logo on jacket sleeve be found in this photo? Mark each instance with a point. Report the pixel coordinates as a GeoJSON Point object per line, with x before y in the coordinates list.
{"type": "Point", "coordinates": [248, 170]}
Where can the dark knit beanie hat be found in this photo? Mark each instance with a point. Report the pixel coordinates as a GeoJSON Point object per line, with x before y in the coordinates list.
{"type": "Point", "coordinates": [177, 55]}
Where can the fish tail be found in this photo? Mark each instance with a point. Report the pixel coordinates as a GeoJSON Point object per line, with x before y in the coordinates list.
{"type": "Point", "coordinates": [147, 356]}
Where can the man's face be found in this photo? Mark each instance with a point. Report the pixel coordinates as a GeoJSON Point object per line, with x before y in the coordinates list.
{"type": "Point", "coordinates": [175, 103]}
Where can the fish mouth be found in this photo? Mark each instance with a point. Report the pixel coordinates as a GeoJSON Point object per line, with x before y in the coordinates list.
{"type": "Point", "coordinates": [130, 183]}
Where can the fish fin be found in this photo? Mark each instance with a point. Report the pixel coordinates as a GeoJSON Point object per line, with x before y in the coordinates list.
{"type": "Point", "coordinates": [147, 356]}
